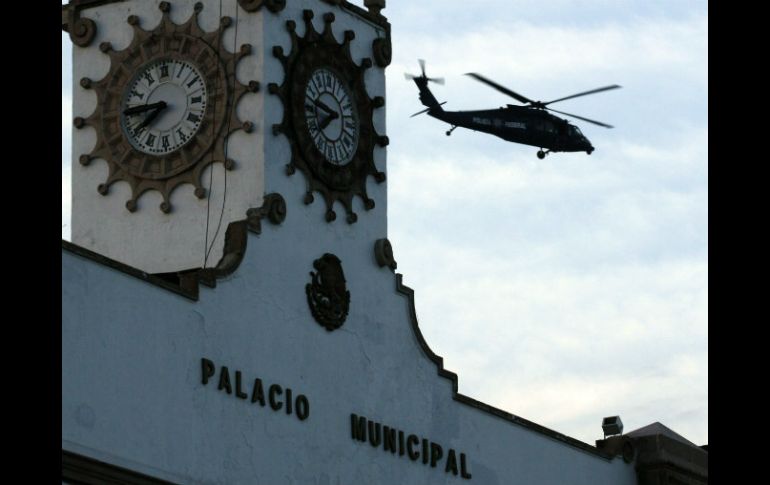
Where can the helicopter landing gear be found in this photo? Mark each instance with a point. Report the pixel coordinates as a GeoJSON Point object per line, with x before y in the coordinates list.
{"type": "Point", "coordinates": [541, 154]}
{"type": "Point", "coordinates": [450, 131]}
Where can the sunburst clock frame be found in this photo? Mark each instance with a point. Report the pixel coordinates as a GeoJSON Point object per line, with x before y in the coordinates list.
{"type": "Point", "coordinates": [328, 116]}
{"type": "Point", "coordinates": [166, 107]}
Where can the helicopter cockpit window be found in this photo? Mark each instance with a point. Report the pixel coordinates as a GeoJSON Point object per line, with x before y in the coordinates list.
{"type": "Point", "coordinates": [574, 130]}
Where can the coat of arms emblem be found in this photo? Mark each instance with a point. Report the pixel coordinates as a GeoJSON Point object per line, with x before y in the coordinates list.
{"type": "Point", "coordinates": [327, 295]}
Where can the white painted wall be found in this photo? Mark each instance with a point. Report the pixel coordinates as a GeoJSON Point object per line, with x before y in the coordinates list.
{"type": "Point", "coordinates": [132, 391]}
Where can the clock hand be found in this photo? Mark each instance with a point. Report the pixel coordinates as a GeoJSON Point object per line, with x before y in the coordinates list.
{"type": "Point", "coordinates": [328, 119]}
{"type": "Point", "coordinates": [323, 106]}
{"type": "Point", "coordinates": [144, 107]}
{"type": "Point", "coordinates": [152, 116]}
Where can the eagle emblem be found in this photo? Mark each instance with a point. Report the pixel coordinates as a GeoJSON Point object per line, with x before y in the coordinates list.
{"type": "Point", "coordinates": [327, 295]}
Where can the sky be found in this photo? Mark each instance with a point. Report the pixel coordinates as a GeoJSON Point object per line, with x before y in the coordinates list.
{"type": "Point", "coordinates": [566, 289]}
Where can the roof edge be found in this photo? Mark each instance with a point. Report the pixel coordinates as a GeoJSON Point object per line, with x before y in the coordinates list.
{"type": "Point", "coordinates": [186, 282]}
{"type": "Point", "coordinates": [156, 280]}
{"type": "Point", "coordinates": [474, 403]}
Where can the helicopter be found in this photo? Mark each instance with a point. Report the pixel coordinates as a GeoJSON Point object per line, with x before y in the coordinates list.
{"type": "Point", "coordinates": [529, 125]}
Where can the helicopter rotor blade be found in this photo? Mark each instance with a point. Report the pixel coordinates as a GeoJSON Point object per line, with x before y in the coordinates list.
{"type": "Point", "coordinates": [500, 88]}
{"type": "Point", "coordinates": [420, 112]}
{"type": "Point", "coordinates": [422, 66]}
{"type": "Point", "coordinates": [426, 110]}
{"type": "Point", "coordinates": [581, 118]}
{"type": "Point", "coordinates": [593, 91]}
{"type": "Point", "coordinates": [437, 80]}
{"type": "Point", "coordinates": [410, 77]}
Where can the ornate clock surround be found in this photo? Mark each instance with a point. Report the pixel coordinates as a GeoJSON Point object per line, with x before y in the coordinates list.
{"type": "Point", "coordinates": [308, 54]}
{"type": "Point", "coordinates": [184, 42]}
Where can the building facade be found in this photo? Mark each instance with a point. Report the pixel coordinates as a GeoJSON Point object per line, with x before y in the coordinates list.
{"type": "Point", "coordinates": [231, 311]}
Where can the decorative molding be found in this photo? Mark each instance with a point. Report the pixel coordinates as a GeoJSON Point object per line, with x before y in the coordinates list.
{"type": "Point", "coordinates": [374, 6]}
{"type": "Point", "coordinates": [274, 6]}
{"type": "Point", "coordinates": [372, 13]}
{"type": "Point", "coordinates": [273, 207]}
{"type": "Point", "coordinates": [81, 30]}
{"type": "Point", "coordinates": [234, 250]}
{"type": "Point", "coordinates": [254, 5]}
{"type": "Point", "coordinates": [187, 282]}
{"type": "Point", "coordinates": [83, 470]}
{"type": "Point", "coordinates": [315, 51]}
{"type": "Point", "coordinates": [383, 253]}
{"type": "Point", "coordinates": [185, 165]}
{"type": "Point", "coordinates": [382, 49]}
{"type": "Point", "coordinates": [327, 295]}
{"type": "Point", "coordinates": [469, 401]}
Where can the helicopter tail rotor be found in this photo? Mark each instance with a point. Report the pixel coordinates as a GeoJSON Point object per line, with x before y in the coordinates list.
{"type": "Point", "coordinates": [424, 77]}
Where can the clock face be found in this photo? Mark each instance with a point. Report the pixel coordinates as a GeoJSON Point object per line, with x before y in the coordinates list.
{"type": "Point", "coordinates": [163, 106]}
{"type": "Point", "coordinates": [331, 116]}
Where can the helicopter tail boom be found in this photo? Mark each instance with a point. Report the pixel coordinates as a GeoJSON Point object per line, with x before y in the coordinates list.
{"type": "Point", "coordinates": [426, 96]}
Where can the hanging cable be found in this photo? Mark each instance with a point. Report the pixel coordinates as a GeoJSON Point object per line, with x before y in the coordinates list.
{"type": "Point", "coordinates": [227, 131]}
{"type": "Point", "coordinates": [211, 165]}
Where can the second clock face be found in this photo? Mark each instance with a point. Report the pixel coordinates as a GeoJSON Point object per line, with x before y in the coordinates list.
{"type": "Point", "coordinates": [331, 117]}
{"type": "Point", "coordinates": [163, 106]}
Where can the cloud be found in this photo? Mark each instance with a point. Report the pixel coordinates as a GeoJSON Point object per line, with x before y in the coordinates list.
{"type": "Point", "coordinates": [574, 288]}
{"type": "Point", "coordinates": [662, 65]}
{"type": "Point", "coordinates": [651, 202]}
{"type": "Point", "coordinates": [543, 51]}
{"type": "Point", "coordinates": [526, 340]}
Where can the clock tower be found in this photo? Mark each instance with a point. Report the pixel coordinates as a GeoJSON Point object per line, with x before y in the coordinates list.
{"type": "Point", "coordinates": [192, 117]}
